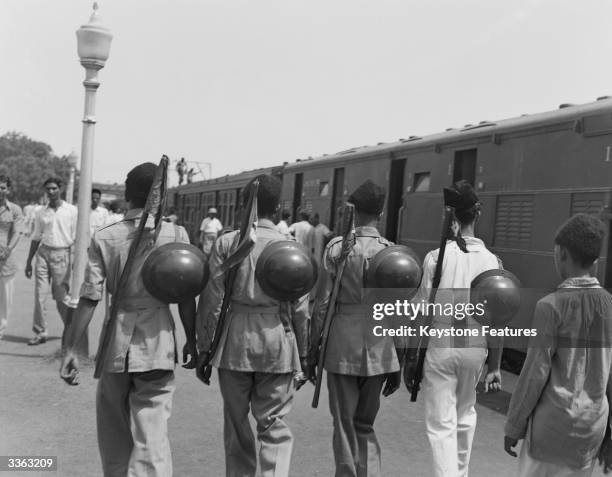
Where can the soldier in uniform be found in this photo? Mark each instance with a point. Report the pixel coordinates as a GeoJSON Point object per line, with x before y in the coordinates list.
{"type": "Point", "coordinates": [262, 346]}
{"type": "Point", "coordinates": [134, 396]}
{"type": "Point", "coordinates": [357, 363]}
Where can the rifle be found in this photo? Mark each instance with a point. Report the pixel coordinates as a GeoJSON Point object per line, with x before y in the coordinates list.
{"type": "Point", "coordinates": [156, 202]}
{"type": "Point", "coordinates": [348, 238]}
{"type": "Point", "coordinates": [242, 247]}
{"type": "Point", "coordinates": [449, 213]}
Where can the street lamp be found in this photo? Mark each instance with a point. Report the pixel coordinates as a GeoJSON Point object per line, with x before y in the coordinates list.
{"type": "Point", "coordinates": [93, 45]}
{"type": "Point", "coordinates": [72, 162]}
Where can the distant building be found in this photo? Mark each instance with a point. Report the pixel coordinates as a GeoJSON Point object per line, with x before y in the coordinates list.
{"type": "Point", "coordinates": [110, 192]}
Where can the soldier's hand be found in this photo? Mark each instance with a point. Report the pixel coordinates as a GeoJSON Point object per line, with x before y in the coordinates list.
{"type": "Point", "coordinates": [203, 371]}
{"type": "Point", "coordinates": [492, 382]}
{"type": "Point", "coordinates": [69, 369]}
{"type": "Point", "coordinates": [5, 252]}
{"type": "Point", "coordinates": [392, 383]}
{"type": "Point", "coordinates": [605, 455]}
{"type": "Point", "coordinates": [509, 443]}
{"type": "Point", "coordinates": [190, 355]}
{"type": "Point", "coordinates": [28, 270]}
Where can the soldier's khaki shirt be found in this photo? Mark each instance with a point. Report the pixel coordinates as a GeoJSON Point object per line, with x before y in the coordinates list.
{"type": "Point", "coordinates": [255, 338]}
{"type": "Point", "coordinates": [352, 347]}
{"type": "Point", "coordinates": [144, 335]}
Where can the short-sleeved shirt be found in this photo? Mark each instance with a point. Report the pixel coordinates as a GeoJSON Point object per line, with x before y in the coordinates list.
{"type": "Point", "coordinates": [11, 220]}
{"type": "Point", "coordinates": [352, 347]}
{"type": "Point", "coordinates": [56, 228]}
{"type": "Point", "coordinates": [458, 271]}
{"type": "Point", "coordinates": [301, 231]}
{"type": "Point", "coordinates": [211, 226]}
{"type": "Point", "coordinates": [256, 338]}
{"type": "Point", "coordinates": [98, 217]}
{"type": "Point", "coordinates": [144, 332]}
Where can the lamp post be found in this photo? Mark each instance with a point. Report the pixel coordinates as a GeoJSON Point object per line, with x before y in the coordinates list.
{"type": "Point", "coordinates": [72, 162]}
{"type": "Point", "coordinates": [93, 45]}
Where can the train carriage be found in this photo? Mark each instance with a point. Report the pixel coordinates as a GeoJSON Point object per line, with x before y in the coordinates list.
{"type": "Point", "coordinates": [192, 201]}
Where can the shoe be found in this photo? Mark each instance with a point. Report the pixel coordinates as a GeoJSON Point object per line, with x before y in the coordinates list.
{"type": "Point", "coordinates": [38, 339]}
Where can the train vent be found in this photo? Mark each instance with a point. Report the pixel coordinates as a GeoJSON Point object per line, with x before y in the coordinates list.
{"type": "Point", "coordinates": [514, 221]}
{"type": "Point", "coordinates": [587, 203]}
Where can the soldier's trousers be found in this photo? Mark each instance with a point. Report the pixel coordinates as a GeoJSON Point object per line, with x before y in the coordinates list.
{"type": "Point", "coordinates": [6, 300]}
{"type": "Point", "coordinates": [132, 412]}
{"type": "Point", "coordinates": [52, 264]}
{"type": "Point", "coordinates": [354, 402]}
{"type": "Point", "coordinates": [270, 397]}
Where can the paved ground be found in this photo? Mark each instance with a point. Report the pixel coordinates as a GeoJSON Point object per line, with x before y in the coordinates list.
{"type": "Point", "coordinates": [40, 415]}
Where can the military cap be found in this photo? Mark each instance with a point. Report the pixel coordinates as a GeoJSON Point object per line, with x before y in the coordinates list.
{"type": "Point", "coordinates": [460, 195]}
{"type": "Point", "coordinates": [368, 198]}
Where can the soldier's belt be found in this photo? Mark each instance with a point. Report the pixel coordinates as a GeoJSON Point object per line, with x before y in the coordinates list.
{"type": "Point", "coordinates": [242, 308]}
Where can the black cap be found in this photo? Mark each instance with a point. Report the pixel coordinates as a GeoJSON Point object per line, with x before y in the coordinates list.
{"type": "Point", "coordinates": [461, 196]}
{"type": "Point", "coordinates": [368, 198]}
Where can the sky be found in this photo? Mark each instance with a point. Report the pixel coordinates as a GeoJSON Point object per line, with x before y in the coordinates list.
{"type": "Point", "coordinates": [245, 84]}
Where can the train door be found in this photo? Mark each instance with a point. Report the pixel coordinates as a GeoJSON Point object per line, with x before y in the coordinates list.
{"type": "Point", "coordinates": [464, 167]}
{"type": "Point", "coordinates": [297, 195]}
{"type": "Point", "coordinates": [337, 195]}
{"type": "Point", "coordinates": [396, 192]}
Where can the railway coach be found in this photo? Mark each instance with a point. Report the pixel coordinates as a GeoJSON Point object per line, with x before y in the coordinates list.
{"type": "Point", "coordinates": [531, 173]}
{"type": "Point", "coordinates": [192, 201]}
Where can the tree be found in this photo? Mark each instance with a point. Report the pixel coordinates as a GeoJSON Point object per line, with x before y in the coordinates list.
{"type": "Point", "coordinates": [29, 163]}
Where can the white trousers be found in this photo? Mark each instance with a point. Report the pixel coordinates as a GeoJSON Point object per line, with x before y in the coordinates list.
{"type": "Point", "coordinates": [6, 300]}
{"type": "Point", "coordinates": [449, 385]}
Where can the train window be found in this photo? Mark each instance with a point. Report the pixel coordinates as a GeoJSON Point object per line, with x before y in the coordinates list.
{"type": "Point", "coordinates": [323, 188]}
{"type": "Point", "coordinates": [464, 167]}
{"type": "Point", "coordinates": [422, 181]}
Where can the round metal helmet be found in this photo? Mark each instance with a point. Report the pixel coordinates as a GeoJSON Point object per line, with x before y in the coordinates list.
{"type": "Point", "coordinates": [175, 272]}
{"type": "Point", "coordinates": [500, 292]}
{"type": "Point", "coordinates": [286, 270]}
{"type": "Point", "coordinates": [396, 266]}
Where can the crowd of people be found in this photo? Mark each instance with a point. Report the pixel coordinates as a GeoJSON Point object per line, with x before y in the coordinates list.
{"type": "Point", "coordinates": [268, 348]}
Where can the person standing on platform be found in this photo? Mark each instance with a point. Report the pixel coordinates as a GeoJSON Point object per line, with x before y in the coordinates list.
{"type": "Point", "coordinates": [452, 370]}
{"type": "Point", "coordinates": [136, 385]}
{"type": "Point", "coordinates": [210, 229]}
{"type": "Point", "coordinates": [560, 406]}
{"type": "Point", "coordinates": [11, 221]}
{"type": "Point", "coordinates": [98, 216]}
{"type": "Point", "coordinates": [283, 224]}
{"type": "Point", "coordinates": [53, 236]}
{"type": "Point", "coordinates": [301, 230]}
{"type": "Point", "coordinates": [319, 236]}
{"type": "Point", "coordinates": [358, 364]}
{"type": "Point", "coordinates": [262, 347]}
{"type": "Point", "coordinates": [181, 169]}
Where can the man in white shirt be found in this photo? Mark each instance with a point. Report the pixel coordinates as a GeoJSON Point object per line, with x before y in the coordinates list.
{"type": "Point", "coordinates": [283, 224]}
{"type": "Point", "coordinates": [115, 214]}
{"type": "Point", "coordinates": [54, 234]}
{"type": "Point", "coordinates": [301, 230]}
{"type": "Point", "coordinates": [209, 230]}
{"type": "Point", "coordinates": [98, 217]}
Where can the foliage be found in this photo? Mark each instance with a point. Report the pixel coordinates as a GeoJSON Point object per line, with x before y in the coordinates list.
{"type": "Point", "coordinates": [29, 163]}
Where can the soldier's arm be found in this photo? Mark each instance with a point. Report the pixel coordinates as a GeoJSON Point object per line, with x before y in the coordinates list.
{"type": "Point", "coordinates": [300, 317]}
{"type": "Point", "coordinates": [211, 299]}
{"type": "Point", "coordinates": [187, 312]}
{"type": "Point", "coordinates": [324, 290]}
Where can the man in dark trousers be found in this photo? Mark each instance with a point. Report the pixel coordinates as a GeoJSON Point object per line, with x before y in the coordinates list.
{"type": "Point", "coordinates": [263, 345]}
{"type": "Point", "coordinates": [357, 363]}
